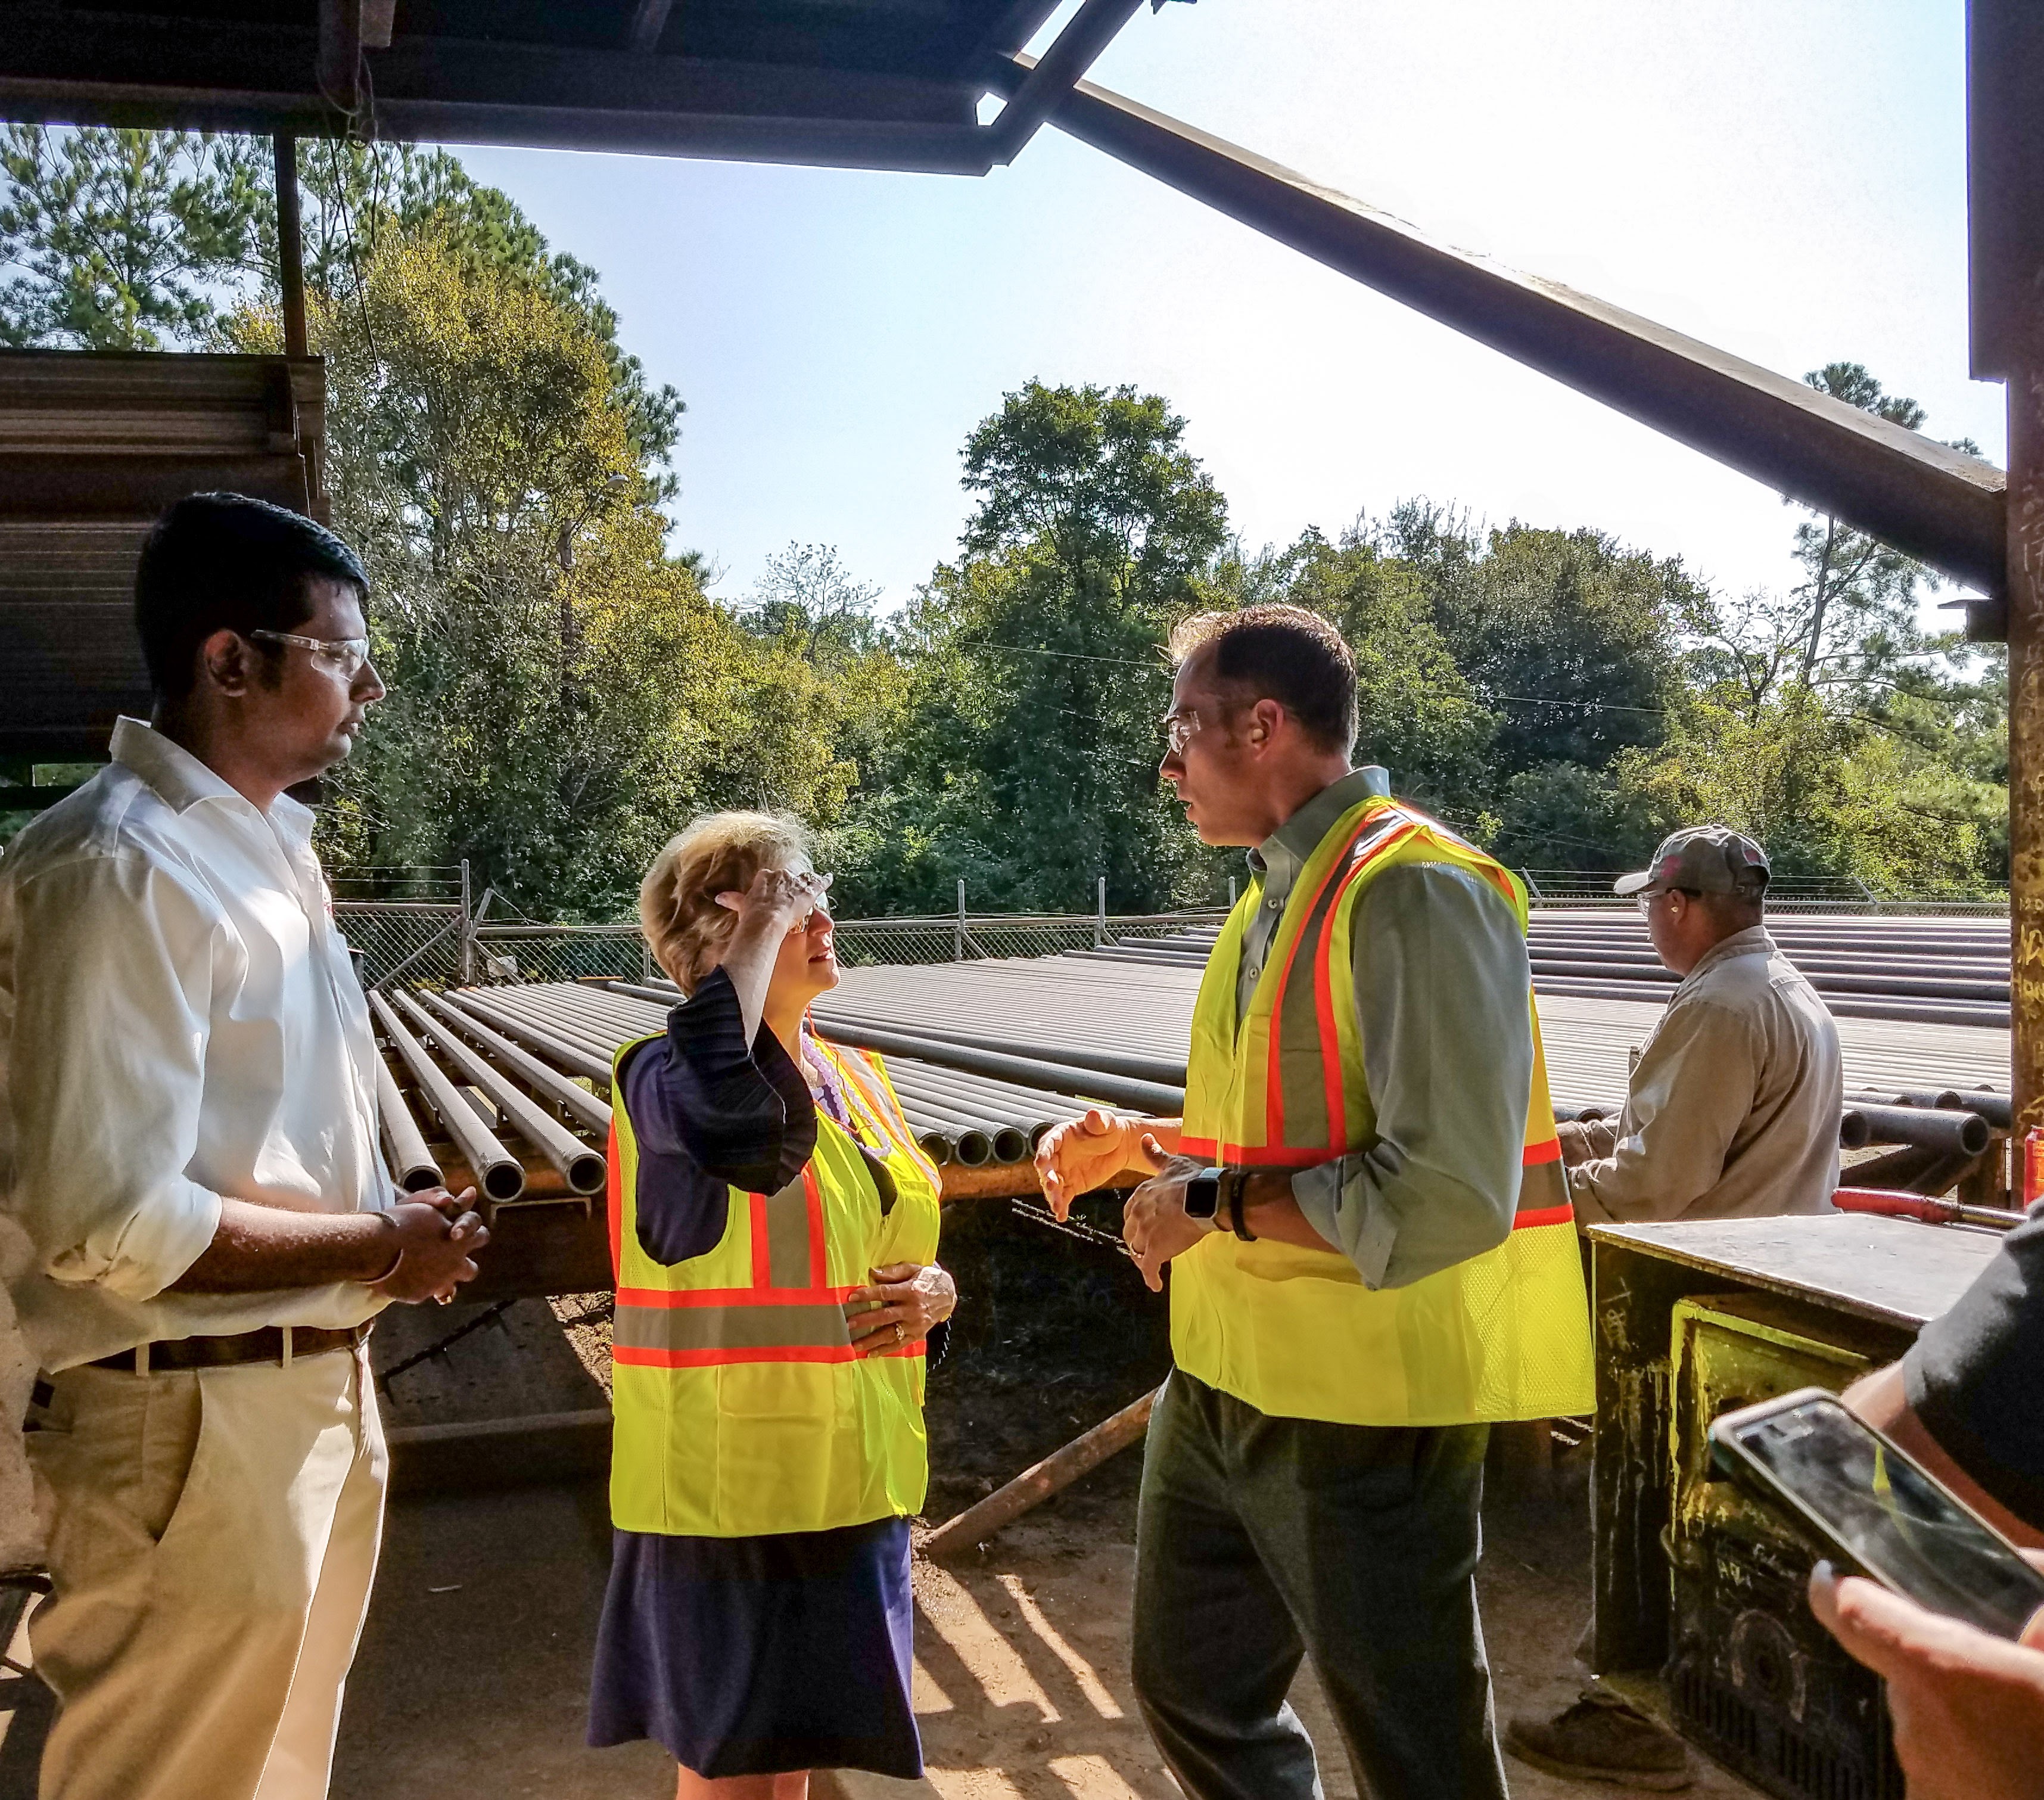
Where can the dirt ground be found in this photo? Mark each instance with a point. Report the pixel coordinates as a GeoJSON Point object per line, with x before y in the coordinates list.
{"type": "Point", "coordinates": [473, 1673]}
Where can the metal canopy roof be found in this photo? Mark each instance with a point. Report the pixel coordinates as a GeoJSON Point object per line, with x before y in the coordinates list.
{"type": "Point", "coordinates": [884, 84]}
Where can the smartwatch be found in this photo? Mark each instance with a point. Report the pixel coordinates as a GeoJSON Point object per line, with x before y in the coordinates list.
{"type": "Point", "coordinates": [1203, 1194]}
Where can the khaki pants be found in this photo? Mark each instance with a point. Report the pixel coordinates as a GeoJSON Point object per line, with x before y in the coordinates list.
{"type": "Point", "coordinates": [213, 1537]}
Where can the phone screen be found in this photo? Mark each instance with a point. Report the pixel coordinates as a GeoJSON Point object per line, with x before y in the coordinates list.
{"type": "Point", "coordinates": [1892, 1518]}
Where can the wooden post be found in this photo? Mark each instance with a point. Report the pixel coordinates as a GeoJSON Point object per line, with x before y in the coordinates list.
{"type": "Point", "coordinates": [1034, 1486]}
{"type": "Point", "coordinates": [290, 245]}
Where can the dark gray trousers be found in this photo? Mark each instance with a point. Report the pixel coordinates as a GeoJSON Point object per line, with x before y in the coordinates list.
{"type": "Point", "coordinates": [1259, 1539]}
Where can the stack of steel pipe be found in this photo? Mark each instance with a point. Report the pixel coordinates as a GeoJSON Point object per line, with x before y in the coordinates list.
{"type": "Point", "coordinates": [1939, 972]}
{"type": "Point", "coordinates": [477, 1086]}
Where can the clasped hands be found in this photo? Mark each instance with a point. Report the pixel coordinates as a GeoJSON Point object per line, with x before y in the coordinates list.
{"type": "Point", "coordinates": [436, 1234]}
{"type": "Point", "coordinates": [1083, 1154]}
{"type": "Point", "coordinates": [899, 1307]}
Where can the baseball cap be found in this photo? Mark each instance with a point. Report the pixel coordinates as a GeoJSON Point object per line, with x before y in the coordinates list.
{"type": "Point", "coordinates": [1711, 859]}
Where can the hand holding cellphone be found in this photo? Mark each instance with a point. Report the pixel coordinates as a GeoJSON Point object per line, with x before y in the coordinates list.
{"type": "Point", "coordinates": [1880, 1513]}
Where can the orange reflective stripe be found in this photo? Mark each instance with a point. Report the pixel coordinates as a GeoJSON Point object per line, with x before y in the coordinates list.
{"type": "Point", "coordinates": [877, 1104]}
{"type": "Point", "coordinates": [1273, 1090]}
{"type": "Point", "coordinates": [1323, 990]}
{"type": "Point", "coordinates": [762, 1249]}
{"type": "Point", "coordinates": [613, 1185]}
{"type": "Point", "coordinates": [728, 1358]}
{"type": "Point", "coordinates": [1543, 1190]}
{"type": "Point", "coordinates": [660, 1297]}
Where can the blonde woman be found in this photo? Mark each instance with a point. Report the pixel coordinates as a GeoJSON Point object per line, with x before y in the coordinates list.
{"type": "Point", "coordinates": [774, 1229]}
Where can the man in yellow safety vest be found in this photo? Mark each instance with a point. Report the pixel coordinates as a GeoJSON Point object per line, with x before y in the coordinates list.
{"type": "Point", "coordinates": [1372, 1249]}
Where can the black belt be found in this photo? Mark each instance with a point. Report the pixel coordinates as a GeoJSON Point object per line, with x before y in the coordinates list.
{"type": "Point", "coordinates": [281, 1345]}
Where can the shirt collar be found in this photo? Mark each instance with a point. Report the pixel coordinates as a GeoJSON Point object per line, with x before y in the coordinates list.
{"type": "Point", "coordinates": [1284, 853]}
{"type": "Point", "coordinates": [183, 781]}
{"type": "Point", "coordinates": [1755, 941]}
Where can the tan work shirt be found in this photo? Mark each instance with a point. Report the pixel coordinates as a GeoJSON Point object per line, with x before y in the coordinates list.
{"type": "Point", "coordinates": [1732, 1110]}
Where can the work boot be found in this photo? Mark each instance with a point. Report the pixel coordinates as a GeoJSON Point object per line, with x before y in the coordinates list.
{"type": "Point", "coordinates": [1601, 1739]}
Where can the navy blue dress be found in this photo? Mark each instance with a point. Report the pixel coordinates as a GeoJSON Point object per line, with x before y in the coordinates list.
{"type": "Point", "coordinates": [746, 1655]}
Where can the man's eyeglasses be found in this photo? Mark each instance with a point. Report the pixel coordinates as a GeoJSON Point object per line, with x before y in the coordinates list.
{"type": "Point", "coordinates": [1647, 896]}
{"type": "Point", "coordinates": [344, 656]}
{"type": "Point", "coordinates": [1178, 729]}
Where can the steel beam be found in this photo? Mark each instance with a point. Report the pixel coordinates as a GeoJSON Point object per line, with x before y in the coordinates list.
{"type": "Point", "coordinates": [1939, 504]}
{"type": "Point", "coordinates": [2025, 704]}
{"type": "Point", "coordinates": [66, 67]}
{"type": "Point", "coordinates": [290, 245]}
{"type": "Point", "coordinates": [2005, 198]}
{"type": "Point", "coordinates": [1074, 50]}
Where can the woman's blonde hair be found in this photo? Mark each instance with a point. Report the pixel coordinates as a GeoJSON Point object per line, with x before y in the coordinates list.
{"type": "Point", "coordinates": [685, 927]}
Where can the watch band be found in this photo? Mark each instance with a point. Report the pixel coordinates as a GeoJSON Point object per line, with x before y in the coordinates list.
{"type": "Point", "coordinates": [1237, 1183]}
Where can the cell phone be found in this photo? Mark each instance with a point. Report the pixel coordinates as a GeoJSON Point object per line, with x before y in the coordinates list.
{"type": "Point", "coordinates": [1880, 1513]}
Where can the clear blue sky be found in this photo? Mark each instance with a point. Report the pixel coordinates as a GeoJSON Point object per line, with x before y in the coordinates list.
{"type": "Point", "coordinates": [1785, 178]}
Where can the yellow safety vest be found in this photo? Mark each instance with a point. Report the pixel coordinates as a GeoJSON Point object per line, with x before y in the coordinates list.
{"type": "Point", "coordinates": [741, 1407]}
{"type": "Point", "coordinates": [1504, 1335]}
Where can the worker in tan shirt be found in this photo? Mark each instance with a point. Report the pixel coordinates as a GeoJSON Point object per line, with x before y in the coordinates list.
{"type": "Point", "coordinates": [1732, 1108]}
{"type": "Point", "coordinates": [1731, 1111]}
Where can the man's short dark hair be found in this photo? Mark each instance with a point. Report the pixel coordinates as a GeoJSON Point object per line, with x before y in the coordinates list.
{"type": "Point", "coordinates": [1282, 653]}
{"type": "Point", "coordinates": [224, 561]}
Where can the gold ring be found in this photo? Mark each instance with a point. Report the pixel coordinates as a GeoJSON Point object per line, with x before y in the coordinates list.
{"type": "Point", "coordinates": [901, 1332]}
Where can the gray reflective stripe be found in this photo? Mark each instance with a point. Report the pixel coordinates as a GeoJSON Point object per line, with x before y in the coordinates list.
{"type": "Point", "coordinates": [1542, 1185]}
{"type": "Point", "coordinates": [729, 1328]}
{"type": "Point", "coordinates": [788, 1237]}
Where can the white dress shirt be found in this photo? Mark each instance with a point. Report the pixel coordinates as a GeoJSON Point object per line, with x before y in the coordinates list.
{"type": "Point", "coordinates": [178, 1022]}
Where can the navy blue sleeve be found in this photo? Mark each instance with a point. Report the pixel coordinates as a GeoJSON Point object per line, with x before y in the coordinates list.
{"type": "Point", "coordinates": [1971, 1376]}
{"type": "Point", "coordinates": [711, 1112]}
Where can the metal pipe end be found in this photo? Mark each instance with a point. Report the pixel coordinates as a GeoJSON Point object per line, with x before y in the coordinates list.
{"type": "Point", "coordinates": [418, 1180]}
{"type": "Point", "coordinates": [1853, 1131]}
{"type": "Point", "coordinates": [974, 1149]}
{"type": "Point", "coordinates": [587, 1173]}
{"type": "Point", "coordinates": [936, 1146]}
{"type": "Point", "coordinates": [1973, 1135]}
{"type": "Point", "coordinates": [1011, 1145]}
{"type": "Point", "coordinates": [504, 1181]}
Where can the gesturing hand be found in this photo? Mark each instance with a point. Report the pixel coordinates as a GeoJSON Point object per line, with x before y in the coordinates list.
{"type": "Point", "coordinates": [911, 1297]}
{"type": "Point", "coordinates": [1083, 1154]}
{"type": "Point", "coordinates": [1154, 1224]}
{"type": "Point", "coordinates": [436, 1237]}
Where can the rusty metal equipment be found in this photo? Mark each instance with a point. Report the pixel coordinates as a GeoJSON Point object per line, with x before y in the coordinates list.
{"type": "Point", "coordinates": [1699, 1611]}
{"type": "Point", "coordinates": [1751, 1675]}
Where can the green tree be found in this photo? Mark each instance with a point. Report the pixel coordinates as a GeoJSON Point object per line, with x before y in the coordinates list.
{"type": "Point", "coordinates": [1568, 635]}
{"type": "Point", "coordinates": [1026, 762]}
{"type": "Point", "coordinates": [1827, 794]}
{"type": "Point", "coordinates": [123, 240]}
{"type": "Point", "coordinates": [563, 695]}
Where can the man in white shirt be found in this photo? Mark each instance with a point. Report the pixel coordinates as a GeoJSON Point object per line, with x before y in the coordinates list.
{"type": "Point", "coordinates": [188, 1139]}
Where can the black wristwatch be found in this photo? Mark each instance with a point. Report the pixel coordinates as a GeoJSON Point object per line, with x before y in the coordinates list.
{"type": "Point", "coordinates": [1203, 1194]}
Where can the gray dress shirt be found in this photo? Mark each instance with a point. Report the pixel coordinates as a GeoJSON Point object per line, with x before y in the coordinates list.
{"type": "Point", "coordinates": [1442, 985]}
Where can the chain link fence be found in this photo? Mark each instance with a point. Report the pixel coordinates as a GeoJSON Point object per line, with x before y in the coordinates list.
{"type": "Point", "coordinates": [437, 943]}
{"type": "Point", "coordinates": [554, 952]}
{"type": "Point", "coordinates": [409, 940]}
{"type": "Point", "coordinates": [1786, 894]}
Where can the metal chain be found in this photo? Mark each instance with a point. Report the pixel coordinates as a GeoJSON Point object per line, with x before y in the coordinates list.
{"type": "Point", "coordinates": [1071, 1228]}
